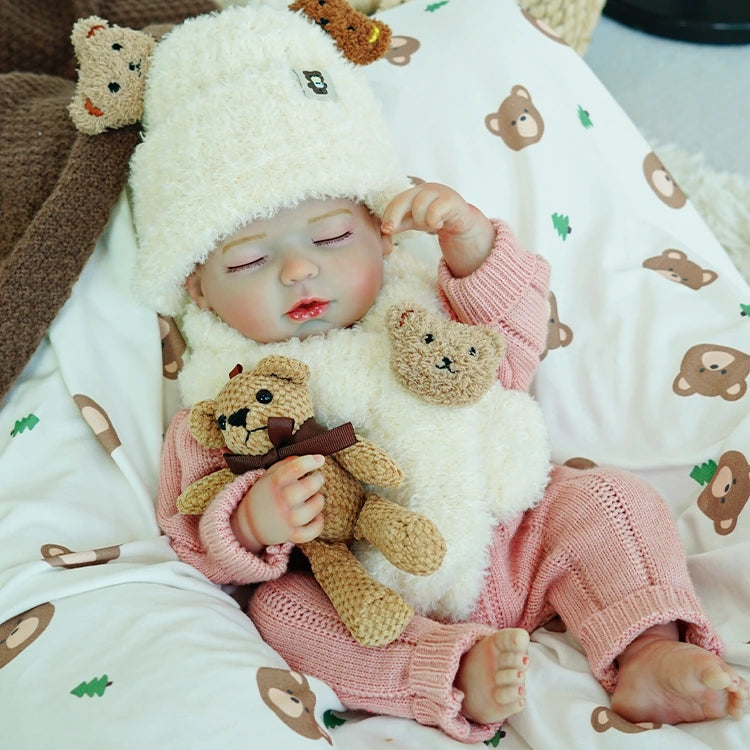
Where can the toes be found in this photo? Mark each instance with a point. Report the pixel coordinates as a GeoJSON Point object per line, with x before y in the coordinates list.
{"type": "Point", "coordinates": [510, 699]}
{"type": "Point", "coordinates": [512, 678]}
{"type": "Point", "coordinates": [512, 660]}
{"type": "Point", "coordinates": [512, 639]}
{"type": "Point", "coordinates": [716, 678]}
{"type": "Point", "coordinates": [739, 698]}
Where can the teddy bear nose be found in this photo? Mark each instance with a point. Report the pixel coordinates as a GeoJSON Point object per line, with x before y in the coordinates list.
{"type": "Point", "coordinates": [238, 418]}
{"type": "Point", "coordinates": [447, 362]}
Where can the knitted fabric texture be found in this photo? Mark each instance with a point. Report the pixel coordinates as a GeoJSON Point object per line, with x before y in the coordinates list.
{"type": "Point", "coordinates": [247, 112]}
{"type": "Point", "coordinates": [241, 416]}
{"type": "Point", "coordinates": [573, 20]}
{"type": "Point", "coordinates": [58, 185]}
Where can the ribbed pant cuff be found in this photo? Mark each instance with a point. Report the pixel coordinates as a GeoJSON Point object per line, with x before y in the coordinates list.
{"type": "Point", "coordinates": [606, 634]}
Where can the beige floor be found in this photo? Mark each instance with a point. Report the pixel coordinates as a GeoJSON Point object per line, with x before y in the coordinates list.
{"type": "Point", "coordinates": [693, 95]}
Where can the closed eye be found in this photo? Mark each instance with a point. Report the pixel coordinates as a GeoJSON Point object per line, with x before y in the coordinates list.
{"type": "Point", "coordinates": [250, 265]}
{"type": "Point", "coordinates": [332, 240]}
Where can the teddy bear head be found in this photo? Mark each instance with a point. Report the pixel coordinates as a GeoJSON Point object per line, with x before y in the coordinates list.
{"type": "Point", "coordinates": [238, 417]}
{"type": "Point", "coordinates": [112, 66]}
{"type": "Point", "coordinates": [443, 361]}
{"type": "Point", "coordinates": [360, 38]}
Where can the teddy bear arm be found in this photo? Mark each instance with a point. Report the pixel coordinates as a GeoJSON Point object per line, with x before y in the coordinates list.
{"type": "Point", "coordinates": [194, 499]}
{"type": "Point", "coordinates": [370, 464]}
{"type": "Point", "coordinates": [374, 614]}
{"type": "Point", "coordinates": [409, 540]}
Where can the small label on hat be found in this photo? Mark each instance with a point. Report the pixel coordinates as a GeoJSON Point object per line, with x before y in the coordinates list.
{"type": "Point", "coordinates": [316, 84]}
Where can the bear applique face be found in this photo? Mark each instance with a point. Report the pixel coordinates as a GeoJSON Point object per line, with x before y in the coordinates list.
{"type": "Point", "coordinates": [443, 361]}
{"type": "Point", "coordinates": [113, 62]}
{"type": "Point", "coordinates": [238, 417]}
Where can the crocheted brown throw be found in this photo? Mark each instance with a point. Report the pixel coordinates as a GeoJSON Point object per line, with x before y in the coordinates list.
{"type": "Point", "coordinates": [57, 186]}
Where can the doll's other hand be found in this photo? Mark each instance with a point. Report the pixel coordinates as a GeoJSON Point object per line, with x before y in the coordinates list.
{"type": "Point", "coordinates": [284, 505]}
{"type": "Point", "coordinates": [465, 234]}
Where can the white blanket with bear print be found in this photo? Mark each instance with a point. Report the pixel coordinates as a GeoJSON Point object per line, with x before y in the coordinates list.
{"type": "Point", "coordinates": [130, 648]}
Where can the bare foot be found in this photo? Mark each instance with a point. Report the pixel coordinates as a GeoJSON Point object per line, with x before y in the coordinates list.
{"type": "Point", "coordinates": [663, 680]}
{"type": "Point", "coordinates": [492, 675]}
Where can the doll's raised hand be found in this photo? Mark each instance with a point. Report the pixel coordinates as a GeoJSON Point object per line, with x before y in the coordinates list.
{"type": "Point", "coordinates": [465, 234]}
{"type": "Point", "coordinates": [284, 505]}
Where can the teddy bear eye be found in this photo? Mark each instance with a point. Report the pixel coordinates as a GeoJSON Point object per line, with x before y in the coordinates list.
{"type": "Point", "coordinates": [264, 396]}
{"type": "Point", "coordinates": [428, 338]}
{"type": "Point", "coordinates": [116, 47]}
{"type": "Point", "coordinates": [221, 420]}
{"type": "Point", "coordinates": [114, 87]}
{"type": "Point", "coordinates": [472, 351]}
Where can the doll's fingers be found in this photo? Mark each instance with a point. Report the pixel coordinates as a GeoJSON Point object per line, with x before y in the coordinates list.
{"type": "Point", "coordinates": [303, 514]}
{"type": "Point", "coordinates": [300, 491]}
{"type": "Point", "coordinates": [290, 470]}
{"type": "Point", "coordinates": [308, 532]}
{"type": "Point", "coordinates": [397, 214]}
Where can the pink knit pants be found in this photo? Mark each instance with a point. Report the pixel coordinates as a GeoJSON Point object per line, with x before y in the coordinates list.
{"type": "Point", "coordinates": [600, 550]}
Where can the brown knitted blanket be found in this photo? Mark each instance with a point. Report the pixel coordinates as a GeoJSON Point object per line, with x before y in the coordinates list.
{"type": "Point", "coordinates": [57, 185]}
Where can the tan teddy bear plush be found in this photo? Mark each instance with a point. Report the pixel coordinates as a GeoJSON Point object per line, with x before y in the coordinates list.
{"type": "Point", "coordinates": [265, 415]}
{"type": "Point", "coordinates": [443, 361]}
{"type": "Point", "coordinates": [113, 62]}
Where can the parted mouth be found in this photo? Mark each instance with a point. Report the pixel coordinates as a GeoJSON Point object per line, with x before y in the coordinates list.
{"type": "Point", "coordinates": [308, 309]}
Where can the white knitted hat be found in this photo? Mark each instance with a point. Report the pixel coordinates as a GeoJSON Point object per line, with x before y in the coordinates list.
{"type": "Point", "coordinates": [247, 111]}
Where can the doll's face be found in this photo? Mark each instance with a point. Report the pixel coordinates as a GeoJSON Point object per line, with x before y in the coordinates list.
{"type": "Point", "coordinates": [306, 270]}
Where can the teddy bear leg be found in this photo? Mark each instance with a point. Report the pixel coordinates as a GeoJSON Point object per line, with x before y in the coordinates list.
{"type": "Point", "coordinates": [374, 614]}
{"type": "Point", "coordinates": [197, 497]}
{"type": "Point", "coordinates": [409, 540]}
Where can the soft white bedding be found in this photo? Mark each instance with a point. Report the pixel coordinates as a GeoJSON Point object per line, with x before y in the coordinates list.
{"type": "Point", "coordinates": [129, 648]}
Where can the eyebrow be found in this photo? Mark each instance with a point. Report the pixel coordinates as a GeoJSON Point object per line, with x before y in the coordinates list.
{"type": "Point", "coordinates": [330, 213]}
{"type": "Point", "coordinates": [240, 240]}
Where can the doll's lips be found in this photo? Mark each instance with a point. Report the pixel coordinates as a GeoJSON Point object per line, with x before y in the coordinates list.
{"type": "Point", "coordinates": [308, 309]}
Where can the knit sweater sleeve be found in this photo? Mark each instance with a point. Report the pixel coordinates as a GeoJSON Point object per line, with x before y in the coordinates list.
{"type": "Point", "coordinates": [206, 542]}
{"type": "Point", "coordinates": [510, 292]}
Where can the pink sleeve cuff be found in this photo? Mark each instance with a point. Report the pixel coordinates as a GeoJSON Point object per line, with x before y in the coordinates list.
{"type": "Point", "coordinates": [510, 292]}
{"type": "Point", "coordinates": [238, 564]}
{"type": "Point", "coordinates": [510, 276]}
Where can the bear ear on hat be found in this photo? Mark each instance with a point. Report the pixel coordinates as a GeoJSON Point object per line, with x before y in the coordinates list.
{"type": "Point", "coordinates": [112, 66]}
{"type": "Point", "coordinates": [360, 38]}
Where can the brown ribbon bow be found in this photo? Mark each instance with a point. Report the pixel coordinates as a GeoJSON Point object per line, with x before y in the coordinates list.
{"type": "Point", "coordinates": [310, 438]}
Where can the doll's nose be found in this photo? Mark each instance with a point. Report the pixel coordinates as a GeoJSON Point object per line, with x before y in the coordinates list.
{"type": "Point", "coordinates": [297, 268]}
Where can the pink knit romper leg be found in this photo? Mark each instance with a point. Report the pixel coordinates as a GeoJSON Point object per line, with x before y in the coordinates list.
{"type": "Point", "coordinates": [602, 551]}
{"type": "Point", "coordinates": [411, 677]}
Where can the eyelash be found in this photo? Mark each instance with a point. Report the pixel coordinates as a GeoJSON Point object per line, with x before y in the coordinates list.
{"type": "Point", "coordinates": [318, 243]}
{"type": "Point", "coordinates": [252, 264]}
{"type": "Point", "coordinates": [332, 240]}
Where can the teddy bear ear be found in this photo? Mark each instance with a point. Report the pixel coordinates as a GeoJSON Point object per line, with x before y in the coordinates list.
{"type": "Point", "coordinates": [398, 315]}
{"type": "Point", "coordinates": [204, 426]}
{"type": "Point", "coordinates": [85, 28]}
{"type": "Point", "coordinates": [284, 368]}
{"type": "Point", "coordinates": [497, 339]}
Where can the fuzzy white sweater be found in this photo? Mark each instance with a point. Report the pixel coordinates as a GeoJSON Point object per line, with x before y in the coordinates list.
{"type": "Point", "coordinates": [465, 468]}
